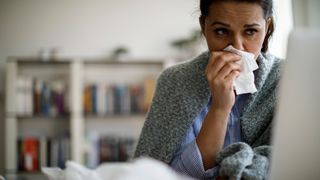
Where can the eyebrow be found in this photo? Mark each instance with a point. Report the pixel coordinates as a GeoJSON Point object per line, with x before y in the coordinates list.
{"type": "Point", "coordinates": [227, 25]}
{"type": "Point", "coordinates": [251, 25]}
{"type": "Point", "coordinates": [221, 23]}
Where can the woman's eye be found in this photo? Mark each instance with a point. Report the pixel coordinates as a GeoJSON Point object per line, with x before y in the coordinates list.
{"type": "Point", "coordinates": [221, 31]}
{"type": "Point", "coordinates": [250, 32]}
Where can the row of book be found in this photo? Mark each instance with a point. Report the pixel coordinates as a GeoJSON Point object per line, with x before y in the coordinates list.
{"type": "Point", "coordinates": [37, 97]}
{"type": "Point", "coordinates": [108, 148]}
{"type": "Point", "coordinates": [102, 99]}
{"type": "Point", "coordinates": [34, 153]}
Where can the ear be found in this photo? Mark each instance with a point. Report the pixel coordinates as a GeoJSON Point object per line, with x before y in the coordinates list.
{"type": "Point", "coordinates": [202, 24]}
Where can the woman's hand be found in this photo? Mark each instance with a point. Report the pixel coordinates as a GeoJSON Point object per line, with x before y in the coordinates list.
{"type": "Point", "coordinates": [221, 71]}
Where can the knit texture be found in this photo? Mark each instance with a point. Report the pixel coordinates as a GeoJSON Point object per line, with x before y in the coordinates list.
{"type": "Point", "coordinates": [240, 161]}
{"type": "Point", "coordinates": [182, 91]}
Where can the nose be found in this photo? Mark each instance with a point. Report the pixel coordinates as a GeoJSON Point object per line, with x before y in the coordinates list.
{"type": "Point", "coordinates": [237, 42]}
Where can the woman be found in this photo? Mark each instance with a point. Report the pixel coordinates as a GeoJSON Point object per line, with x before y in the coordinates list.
{"type": "Point", "coordinates": [195, 112]}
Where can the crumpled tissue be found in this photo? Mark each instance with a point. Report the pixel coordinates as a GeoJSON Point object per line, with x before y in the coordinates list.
{"type": "Point", "coordinates": [139, 169]}
{"type": "Point", "coordinates": [244, 83]}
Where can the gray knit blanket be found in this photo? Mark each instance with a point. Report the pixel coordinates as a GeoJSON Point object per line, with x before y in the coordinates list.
{"type": "Point", "coordinates": [182, 91]}
{"type": "Point", "coordinates": [239, 161]}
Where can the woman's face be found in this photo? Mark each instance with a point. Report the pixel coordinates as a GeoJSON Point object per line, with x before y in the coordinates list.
{"type": "Point", "coordinates": [241, 25]}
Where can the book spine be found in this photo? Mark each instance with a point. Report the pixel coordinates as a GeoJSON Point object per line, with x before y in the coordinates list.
{"type": "Point", "coordinates": [94, 99]}
{"type": "Point", "coordinates": [20, 154]}
{"type": "Point", "coordinates": [43, 152]}
{"type": "Point", "coordinates": [31, 154]}
{"type": "Point", "coordinates": [45, 100]}
{"type": "Point", "coordinates": [110, 100]}
{"type": "Point", "coordinates": [101, 99]}
{"type": "Point", "coordinates": [149, 87]}
{"type": "Point", "coordinates": [20, 93]}
{"type": "Point", "coordinates": [28, 96]}
{"type": "Point", "coordinates": [37, 86]}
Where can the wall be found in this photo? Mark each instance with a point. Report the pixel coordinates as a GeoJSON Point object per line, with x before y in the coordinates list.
{"type": "Point", "coordinates": [93, 28]}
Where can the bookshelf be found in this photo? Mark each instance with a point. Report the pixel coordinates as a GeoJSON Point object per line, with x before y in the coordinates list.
{"type": "Point", "coordinates": [90, 101]}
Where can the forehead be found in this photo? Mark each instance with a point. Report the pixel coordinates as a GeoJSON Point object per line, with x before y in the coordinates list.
{"type": "Point", "coordinates": [235, 11]}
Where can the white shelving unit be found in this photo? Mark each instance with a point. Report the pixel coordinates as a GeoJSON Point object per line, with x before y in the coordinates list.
{"type": "Point", "coordinates": [77, 73]}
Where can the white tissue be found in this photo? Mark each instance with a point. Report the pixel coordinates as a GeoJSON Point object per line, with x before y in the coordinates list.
{"type": "Point", "coordinates": [244, 83]}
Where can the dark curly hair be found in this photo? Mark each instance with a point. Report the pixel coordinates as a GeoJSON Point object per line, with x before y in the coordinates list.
{"type": "Point", "coordinates": [266, 5]}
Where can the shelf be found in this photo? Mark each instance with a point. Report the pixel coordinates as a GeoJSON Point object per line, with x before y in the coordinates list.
{"type": "Point", "coordinates": [40, 126]}
{"type": "Point", "coordinates": [26, 176]}
{"type": "Point", "coordinates": [34, 67]}
{"type": "Point", "coordinates": [116, 125]}
{"type": "Point", "coordinates": [66, 61]}
{"type": "Point", "coordinates": [44, 71]}
{"type": "Point", "coordinates": [45, 118]}
{"type": "Point", "coordinates": [139, 62]}
{"type": "Point", "coordinates": [75, 75]}
{"type": "Point", "coordinates": [38, 61]}
{"type": "Point", "coordinates": [119, 117]}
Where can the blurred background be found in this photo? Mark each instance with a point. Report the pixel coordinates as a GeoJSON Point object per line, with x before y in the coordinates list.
{"type": "Point", "coordinates": [58, 58]}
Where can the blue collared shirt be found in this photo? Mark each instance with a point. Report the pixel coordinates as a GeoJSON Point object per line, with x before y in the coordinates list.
{"type": "Point", "coordinates": [187, 158]}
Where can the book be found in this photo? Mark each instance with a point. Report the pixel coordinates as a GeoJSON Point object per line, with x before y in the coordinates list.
{"type": "Point", "coordinates": [87, 101]}
{"type": "Point", "coordinates": [57, 104]}
{"type": "Point", "coordinates": [43, 151]}
{"type": "Point", "coordinates": [37, 86]}
{"type": "Point", "coordinates": [94, 99]}
{"type": "Point", "coordinates": [24, 96]}
{"type": "Point", "coordinates": [136, 99]}
{"type": "Point", "coordinates": [20, 155]}
{"type": "Point", "coordinates": [101, 99]}
{"type": "Point", "coordinates": [108, 149]}
{"type": "Point", "coordinates": [31, 154]}
{"type": "Point", "coordinates": [28, 83]}
{"type": "Point", "coordinates": [92, 154]}
{"type": "Point", "coordinates": [20, 100]}
{"type": "Point", "coordinates": [110, 99]}
{"type": "Point", "coordinates": [126, 148]}
{"type": "Point", "coordinates": [45, 100]}
{"type": "Point", "coordinates": [60, 151]}
{"type": "Point", "coordinates": [149, 87]}
{"type": "Point", "coordinates": [126, 100]}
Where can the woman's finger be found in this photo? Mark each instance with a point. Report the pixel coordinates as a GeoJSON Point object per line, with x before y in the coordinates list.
{"type": "Point", "coordinates": [227, 69]}
{"type": "Point", "coordinates": [218, 60]}
{"type": "Point", "coordinates": [231, 77]}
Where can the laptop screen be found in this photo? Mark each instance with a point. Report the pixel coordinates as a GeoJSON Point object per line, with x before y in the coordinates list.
{"type": "Point", "coordinates": [296, 135]}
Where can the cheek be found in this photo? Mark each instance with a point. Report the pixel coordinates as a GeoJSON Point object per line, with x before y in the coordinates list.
{"type": "Point", "coordinates": [255, 45]}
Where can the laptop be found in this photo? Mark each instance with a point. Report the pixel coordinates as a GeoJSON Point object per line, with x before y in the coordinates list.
{"type": "Point", "coordinates": [296, 133]}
